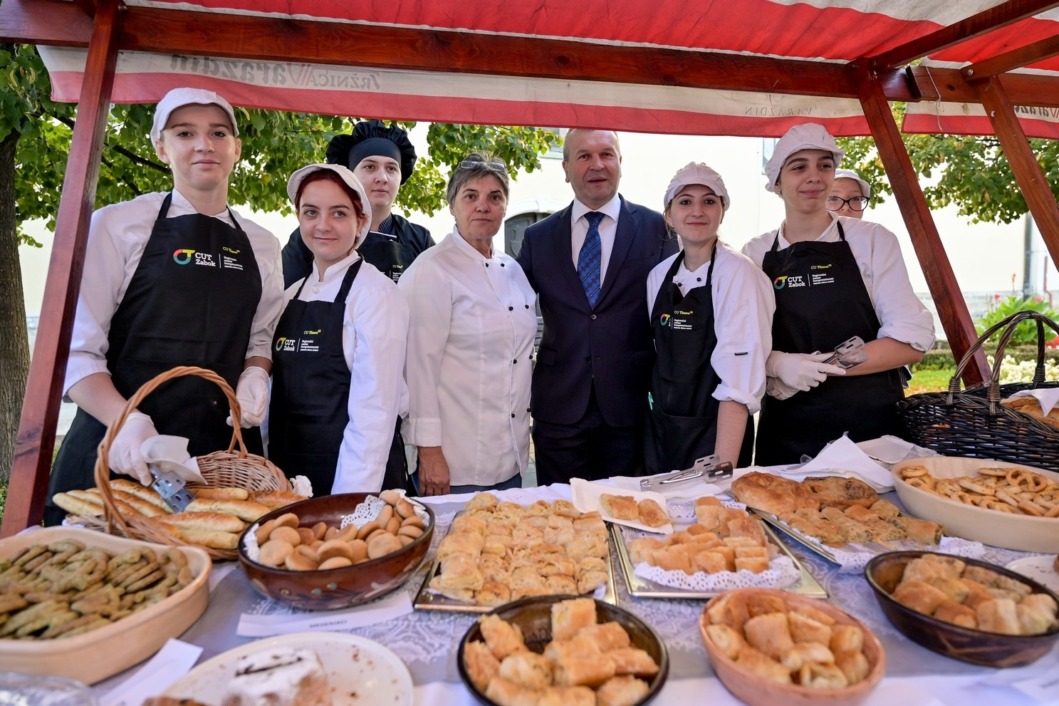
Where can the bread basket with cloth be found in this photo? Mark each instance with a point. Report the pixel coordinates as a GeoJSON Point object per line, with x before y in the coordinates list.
{"type": "Point", "coordinates": [981, 421]}
{"type": "Point", "coordinates": [233, 468]}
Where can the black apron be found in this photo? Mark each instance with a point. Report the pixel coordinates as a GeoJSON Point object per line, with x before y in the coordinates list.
{"type": "Point", "coordinates": [684, 411]}
{"type": "Point", "coordinates": [191, 301]}
{"type": "Point", "coordinates": [383, 250]}
{"type": "Point", "coordinates": [821, 301]}
{"type": "Point", "coordinates": [309, 410]}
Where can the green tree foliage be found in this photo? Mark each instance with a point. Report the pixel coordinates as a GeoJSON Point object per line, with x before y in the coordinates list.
{"type": "Point", "coordinates": [969, 172]}
{"type": "Point", "coordinates": [1025, 333]}
{"type": "Point", "coordinates": [35, 135]}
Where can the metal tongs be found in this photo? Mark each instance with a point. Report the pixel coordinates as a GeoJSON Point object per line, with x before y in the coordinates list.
{"type": "Point", "coordinates": [708, 468]}
{"type": "Point", "coordinates": [848, 353]}
{"type": "Point", "coordinates": [172, 489]}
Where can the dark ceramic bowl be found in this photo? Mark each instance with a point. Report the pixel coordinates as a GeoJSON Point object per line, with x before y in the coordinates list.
{"type": "Point", "coordinates": [334, 588]}
{"type": "Point", "coordinates": [534, 617]}
{"type": "Point", "coordinates": [991, 649]}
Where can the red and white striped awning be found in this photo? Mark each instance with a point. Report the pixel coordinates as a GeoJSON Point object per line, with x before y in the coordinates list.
{"type": "Point", "coordinates": [826, 32]}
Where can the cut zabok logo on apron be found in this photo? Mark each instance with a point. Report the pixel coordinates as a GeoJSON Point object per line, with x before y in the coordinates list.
{"type": "Point", "coordinates": [183, 256]}
{"type": "Point", "coordinates": [788, 282]}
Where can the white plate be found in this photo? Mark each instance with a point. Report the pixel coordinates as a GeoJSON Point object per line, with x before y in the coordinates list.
{"type": "Point", "coordinates": [360, 671]}
{"type": "Point", "coordinates": [1039, 568]}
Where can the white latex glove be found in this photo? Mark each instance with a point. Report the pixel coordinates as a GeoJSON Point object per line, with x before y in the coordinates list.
{"type": "Point", "coordinates": [125, 454]}
{"type": "Point", "coordinates": [774, 387]}
{"type": "Point", "coordinates": [252, 393]}
{"type": "Point", "coordinates": [801, 371]}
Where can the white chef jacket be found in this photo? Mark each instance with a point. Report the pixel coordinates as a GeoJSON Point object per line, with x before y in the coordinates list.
{"type": "Point", "coordinates": [608, 229]}
{"type": "Point", "coordinates": [901, 315]}
{"type": "Point", "coordinates": [470, 348]}
{"type": "Point", "coordinates": [374, 336]}
{"type": "Point", "coordinates": [743, 305]}
{"type": "Point", "coordinates": [117, 237]}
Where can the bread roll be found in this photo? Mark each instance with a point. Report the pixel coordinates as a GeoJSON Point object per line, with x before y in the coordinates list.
{"type": "Point", "coordinates": [204, 538]}
{"type": "Point", "coordinates": [78, 506]}
{"type": "Point", "coordinates": [222, 493]}
{"type": "Point", "coordinates": [243, 509]}
{"type": "Point", "coordinates": [141, 491]}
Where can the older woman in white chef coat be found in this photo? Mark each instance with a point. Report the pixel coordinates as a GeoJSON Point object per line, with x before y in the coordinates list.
{"type": "Point", "coordinates": [470, 344]}
{"type": "Point", "coordinates": [834, 278]}
{"type": "Point", "coordinates": [338, 353]}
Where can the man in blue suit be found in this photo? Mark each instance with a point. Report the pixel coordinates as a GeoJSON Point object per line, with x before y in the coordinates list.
{"type": "Point", "coordinates": [589, 265]}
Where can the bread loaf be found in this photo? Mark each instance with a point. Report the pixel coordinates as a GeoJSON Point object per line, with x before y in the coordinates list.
{"type": "Point", "coordinates": [243, 509]}
{"type": "Point", "coordinates": [208, 521]}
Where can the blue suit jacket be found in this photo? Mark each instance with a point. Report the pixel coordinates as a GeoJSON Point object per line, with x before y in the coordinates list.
{"type": "Point", "coordinates": [609, 346]}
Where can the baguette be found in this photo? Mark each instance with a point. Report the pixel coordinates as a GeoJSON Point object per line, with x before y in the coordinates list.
{"type": "Point", "coordinates": [142, 506]}
{"type": "Point", "coordinates": [203, 538]}
{"type": "Point", "coordinates": [207, 521]}
{"type": "Point", "coordinates": [78, 506]}
{"type": "Point", "coordinates": [221, 493]}
{"type": "Point", "coordinates": [141, 491]}
{"type": "Point", "coordinates": [243, 509]}
{"type": "Point", "coordinates": [92, 495]}
{"type": "Point", "coordinates": [276, 499]}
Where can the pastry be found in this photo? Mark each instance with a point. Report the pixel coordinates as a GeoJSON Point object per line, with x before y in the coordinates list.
{"type": "Point", "coordinates": [621, 691]}
{"type": "Point", "coordinates": [770, 493]}
{"type": "Point", "coordinates": [570, 617]}
{"type": "Point", "coordinates": [278, 675]}
{"type": "Point", "coordinates": [619, 507]}
{"type": "Point", "coordinates": [651, 513]}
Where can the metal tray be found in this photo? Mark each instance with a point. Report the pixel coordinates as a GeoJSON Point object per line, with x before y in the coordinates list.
{"type": "Point", "coordinates": [428, 600]}
{"type": "Point", "coordinates": [642, 588]}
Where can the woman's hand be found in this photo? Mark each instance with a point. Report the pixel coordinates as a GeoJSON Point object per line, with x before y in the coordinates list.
{"type": "Point", "coordinates": [433, 471]}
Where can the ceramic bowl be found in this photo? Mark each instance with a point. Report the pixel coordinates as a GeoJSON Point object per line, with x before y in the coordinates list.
{"type": "Point", "coordinates": [756, 691]}
{"type": "Point", "coordinates": [999, 529]}
{"type": "Point", "coordinates": [534, 617]}
{"type": "Point", "coordinates": [331, 589]}
{"type": "Point", "coordinates": [991, 649]}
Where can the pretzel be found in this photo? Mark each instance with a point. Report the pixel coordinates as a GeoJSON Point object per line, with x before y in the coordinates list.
{"type": "Point", "coordinates": [1008, 489]}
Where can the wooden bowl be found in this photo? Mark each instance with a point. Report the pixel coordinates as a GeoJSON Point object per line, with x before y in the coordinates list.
{"type": "Point", "coordinates": [999, 529]}
{"type": "Point", "coordinates": [534, 617]}
{"type": "Point", "coordinates": [98, 654]}
{"type": "Point", "coordinates": [885, 571]}
{"type": "Point", "coordinates": [332, 589]}
{"type": "Point", "coordinates": [756, 691]}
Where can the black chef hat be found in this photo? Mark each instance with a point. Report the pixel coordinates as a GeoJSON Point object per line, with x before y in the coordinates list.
{"type": "Point", "coordinates": [371, 138]}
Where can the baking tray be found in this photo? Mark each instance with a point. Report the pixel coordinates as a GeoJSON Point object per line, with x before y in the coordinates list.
{"type": "Point", "coordinates": [103, 652]}
{"type": "Point", "coordinates": [640, 587]}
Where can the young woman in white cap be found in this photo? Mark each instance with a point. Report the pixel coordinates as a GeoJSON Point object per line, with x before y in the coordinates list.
{"type": "Point", "coordinates": [171, 279]}
{"type": "Point", "coordinates": [849, 194]}
{"type": "Point", "coordinates": [382, 157]}
{"type": "Point", "coordinates": [338, 358]}
{"type": "Point", "coordinates": [833, 278]}
{"type": "Point", "coordinates": [711, 314]}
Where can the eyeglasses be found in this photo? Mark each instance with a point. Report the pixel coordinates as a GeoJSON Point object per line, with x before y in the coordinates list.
{"type": "Point", "coordinates": [473, 163]}
{"type": "Point", "coordinates": [856, 203]}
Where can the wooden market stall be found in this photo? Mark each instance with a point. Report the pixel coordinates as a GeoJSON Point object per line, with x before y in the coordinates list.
{"type": "Point", "coordinates": [747, 67]}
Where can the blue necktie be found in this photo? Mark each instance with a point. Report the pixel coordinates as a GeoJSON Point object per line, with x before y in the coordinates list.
{"type": "Point", "coordinates": [588, 260]}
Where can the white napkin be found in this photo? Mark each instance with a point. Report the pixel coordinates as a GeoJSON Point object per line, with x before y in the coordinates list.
{"type": "Point", "coordinates": [169, 454]}
{"type": "Point", "coordinates": [586, 499]}
{"type": "Point", "coordinates": [843, 458]}
{"type": "Point", "coordinates": [284, 623]}
{"type": "Point", "coordinates": [1047, 397]}
{"type": "Point", "coordinates": [173, 661]}
{"type": "Point", "coordinates": [891, 450]}
{"type": "Point", "coordinates": [683, 490]}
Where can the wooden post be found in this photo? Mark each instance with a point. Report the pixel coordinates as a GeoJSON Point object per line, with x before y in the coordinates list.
{"type": "Point", "coordinates": [952, 308]}
{"type": "Point", "coordinates": [1024, 164]}
{"type": "Point", "coordinates": [40, 412]}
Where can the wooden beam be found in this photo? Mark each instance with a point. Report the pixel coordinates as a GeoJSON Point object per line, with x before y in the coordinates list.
{"type": "Point", "coordinates": [975, 26]}
{"type": "Point", "coordinates": [1024, 164]}
{"type": "Point", "coordinates": [951, 86]}
{"type": "Point", "coordinates": [49, 22]}
{"type": "Point", "coordinates": [1014, 59]}
{"type": "Point", "coordinates": [40, 412]}
{"type": "Point", "coordinates": [941, 280]}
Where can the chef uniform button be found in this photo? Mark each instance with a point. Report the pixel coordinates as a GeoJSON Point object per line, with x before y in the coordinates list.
{"type": "Point", "coordinates": [502, 264]}
{"type": "Point", "coordinates": [527, 306]}
{"type": "Point", "coordinates": [512, 415]}
{"type": "Point", "coordinates": [593, 317]}
{"type": "Point", "coordinates": [511, 308]}
{"type": "Point", "coordinates": [514, 361]}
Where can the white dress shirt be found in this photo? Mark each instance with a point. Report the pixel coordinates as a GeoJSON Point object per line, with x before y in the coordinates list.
{"type": "Point", "coordinates": [374, 336]}
{"type": "Point", "coordinates": [470, 348]}
{"type": "Point", "coordinates": [608, 227]}
{"type": "Point", "coordinates": [117, 237]}
{"type": "Point", "coordinates": [743, 305]}
{"type": "Point", "coordinates": [901, 315]}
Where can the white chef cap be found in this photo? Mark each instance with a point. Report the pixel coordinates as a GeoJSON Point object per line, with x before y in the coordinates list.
{"type": "Point", "coordinates": [350, 179]}
{"type": "Point", "coordinates": [178, 98]}
{"type": "Point", "coordinates": [865, 190]}
{"type": "Point", "coordinates": [696, 173]}
{"type": "Point", "coordinates": [807, 136]}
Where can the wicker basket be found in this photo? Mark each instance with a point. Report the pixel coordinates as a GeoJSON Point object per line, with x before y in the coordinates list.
{"type": "Point", "coordinates": [973, 423]}
{"type": "Point", "coordinates": [232, 468]}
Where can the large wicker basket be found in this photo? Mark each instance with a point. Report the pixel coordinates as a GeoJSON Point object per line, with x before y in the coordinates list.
{"type": "Point", "coordinates": [233, 467]}
{"type": "Point", "coordinates": [973, 423]}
